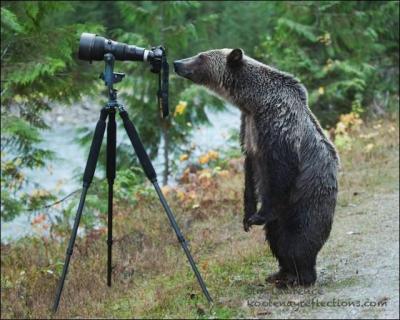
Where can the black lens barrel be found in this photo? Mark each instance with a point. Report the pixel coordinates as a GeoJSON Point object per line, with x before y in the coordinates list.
{"type": "Point", "coordinates": [93, 47]}
{"type": "Point", "coordinates": [86, 44]}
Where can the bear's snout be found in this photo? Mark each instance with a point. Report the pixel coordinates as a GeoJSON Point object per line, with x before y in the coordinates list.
{"type": "Point", "coordinates": [181, 67]}
{"type": "Point", "coordinates": [177, 65]}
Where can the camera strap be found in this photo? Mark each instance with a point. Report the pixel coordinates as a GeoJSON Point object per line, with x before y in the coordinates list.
{"type": "Point", "coordinates": [163, 84]}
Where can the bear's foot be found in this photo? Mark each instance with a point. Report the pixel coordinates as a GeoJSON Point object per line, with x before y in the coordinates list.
{"type": "Point", "coordinates": [287, 280]}
{"type": "Point", "coordinates": [277, 276]}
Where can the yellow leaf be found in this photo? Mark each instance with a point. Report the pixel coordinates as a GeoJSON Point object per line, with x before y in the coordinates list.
{"type": "Point", "coordinates": [369, 147]}
{"type": "Point", "coordinates": [321, 90]}
{"type": "Point", "coordinates": [340, 127]}
{"type": "Point", "coordinates": [166, 190]}
{"type": "Point", "coordinates": [180, 108]}
{"type": "Point", "coordinates": [223, 173]}
{"type": "Point", "coordinates": [204, 159]}
{"type": "Point", "coordinates": [213, 155]}
{"type": "Point", "coordinates": [181, 195]}
{"type": "Point", "coordinates": [205, 174]}
{"type": "Point", "coordinates": [184, 157]}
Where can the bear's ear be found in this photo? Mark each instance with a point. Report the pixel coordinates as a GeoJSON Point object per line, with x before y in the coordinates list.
{"type": "Point", "coordinates": [235, 57]}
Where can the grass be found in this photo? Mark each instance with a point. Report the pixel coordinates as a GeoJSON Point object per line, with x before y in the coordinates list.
{"type": "Point", "coordinates": [151, 276]}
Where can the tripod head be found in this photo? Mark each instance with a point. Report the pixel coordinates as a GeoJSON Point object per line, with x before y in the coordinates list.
{"type": "Point", "coordinates": [95, 48]}
{"type": "Point", "coordinates": [110, 77]}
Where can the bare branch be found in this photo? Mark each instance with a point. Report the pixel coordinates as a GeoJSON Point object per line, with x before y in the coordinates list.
{"type": "Point", "coordinates": [57, 202]}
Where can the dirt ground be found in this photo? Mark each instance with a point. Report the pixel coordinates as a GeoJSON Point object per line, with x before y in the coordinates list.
{"type": "Point", "coordinates": [359, 265]}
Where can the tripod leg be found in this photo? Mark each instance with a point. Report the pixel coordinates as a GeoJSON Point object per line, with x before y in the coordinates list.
{"type": "Point", "coordinates": [87, 179]}
{"type": "Point", "coordinates": [111, 157]}
{"type": "Point", "coordinates": [151, 175]}
{"type": "Point", "coordinates": [182, 240]}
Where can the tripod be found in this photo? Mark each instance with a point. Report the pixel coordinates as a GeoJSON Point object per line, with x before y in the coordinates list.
{"type": "Point", "coordinates": [110, 77]}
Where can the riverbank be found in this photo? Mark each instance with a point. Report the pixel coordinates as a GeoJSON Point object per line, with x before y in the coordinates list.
{"type": "Point", "coordinates": [151, 277]}
{"type": "Point", "coordinates": [63, 175]}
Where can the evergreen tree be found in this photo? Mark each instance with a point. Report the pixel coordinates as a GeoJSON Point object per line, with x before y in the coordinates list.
{"type": "Point", "coordinates": [346, 53]}
{"type": "Point", "coordinates": [38, 69]}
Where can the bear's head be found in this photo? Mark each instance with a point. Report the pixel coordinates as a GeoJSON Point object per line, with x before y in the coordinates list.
{"type": "Point", "coordinates": [214, 69]}
{"type": "Point", "coordinates": [241, 80]}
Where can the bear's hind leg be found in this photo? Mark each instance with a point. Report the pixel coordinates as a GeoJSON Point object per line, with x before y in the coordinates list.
{"type": "Point", "coordinates": [296, 256]}
{"type": "Point", "coordinates": [273, 232]}
{"type": "Point", "coordinates": [299, 260]}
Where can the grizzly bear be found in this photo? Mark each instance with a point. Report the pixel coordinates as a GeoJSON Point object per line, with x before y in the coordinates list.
{"type": "Point", "coordinates": [290, 165]}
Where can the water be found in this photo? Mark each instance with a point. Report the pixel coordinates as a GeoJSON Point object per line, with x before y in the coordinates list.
{"type": "Point", "coordinates": [64, 174]}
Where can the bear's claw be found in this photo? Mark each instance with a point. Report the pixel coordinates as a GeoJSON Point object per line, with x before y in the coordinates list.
{"type": "Point", "coordinates": [257, 220]}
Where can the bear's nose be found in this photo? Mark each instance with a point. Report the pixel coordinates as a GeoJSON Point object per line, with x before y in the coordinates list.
{"type": "Point", "coordinates": [177, 64]}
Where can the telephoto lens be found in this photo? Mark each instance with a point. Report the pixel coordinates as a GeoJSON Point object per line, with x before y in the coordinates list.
{"type": "Point", "coordinates": [94, 47]}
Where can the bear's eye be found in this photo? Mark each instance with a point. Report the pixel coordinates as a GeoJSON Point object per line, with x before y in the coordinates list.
{"type": "Point", "coordinates": [202, 57]}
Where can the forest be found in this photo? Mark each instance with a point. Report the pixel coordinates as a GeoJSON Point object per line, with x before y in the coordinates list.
{"type": "Point", "coordinates": [346, 53]}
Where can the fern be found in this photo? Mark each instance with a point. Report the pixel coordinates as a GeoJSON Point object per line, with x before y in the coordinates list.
{"type": "Point", "coordinates": [10, 21]}
{"type": "Point", "coordinates": [301, 29]}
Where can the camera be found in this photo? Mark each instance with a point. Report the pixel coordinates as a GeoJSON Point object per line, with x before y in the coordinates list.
{"type": "Point", "coordinates": [93, 48]}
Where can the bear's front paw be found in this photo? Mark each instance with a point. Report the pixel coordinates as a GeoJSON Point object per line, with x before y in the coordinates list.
{"type": "Point", "coordinates": [246, 224]}
{"type": "Point", "coordinates": [257, 219]}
